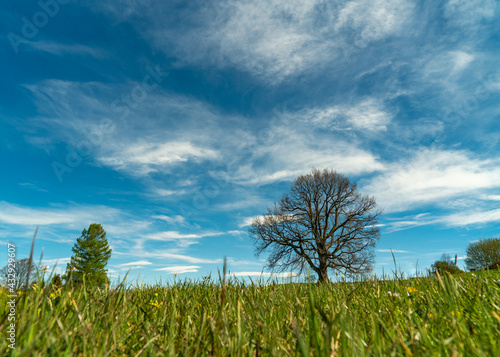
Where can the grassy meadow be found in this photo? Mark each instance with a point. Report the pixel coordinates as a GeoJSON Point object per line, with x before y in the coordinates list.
{"type": "Point", "coordinates": [441, 316]}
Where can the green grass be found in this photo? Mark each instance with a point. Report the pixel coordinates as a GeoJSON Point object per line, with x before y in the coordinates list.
{"type": "Point", "coordinates": [452, 315]}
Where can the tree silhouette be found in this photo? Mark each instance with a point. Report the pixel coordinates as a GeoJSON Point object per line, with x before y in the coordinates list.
{"type": "Point", "coordinates": [323, 223]}
{"type": "Point", "coordinates": [21, 273]}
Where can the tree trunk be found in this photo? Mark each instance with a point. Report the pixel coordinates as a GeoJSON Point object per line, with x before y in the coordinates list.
{"type": "Point", "coordinates": [323, 276]}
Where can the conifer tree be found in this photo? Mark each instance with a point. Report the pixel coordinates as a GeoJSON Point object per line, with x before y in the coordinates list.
{"type": "Point", "coordinates": [91, 255]}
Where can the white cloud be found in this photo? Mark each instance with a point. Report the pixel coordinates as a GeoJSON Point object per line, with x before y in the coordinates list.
{"type": "Point", "coordinates": [174, 235]}
{"type": "Point", "coordinates": [293, 143]}
{"type": "Point", "coordinates": [123, 226]}
{"type": "Point", "coordinates": [374, 20]}
{"type": "Point", "coordinates": [171, 235]}
{"type": "Point", "coordinates": [181, 240]}
{"type": "Point", "coordinates": [171, 255]}
{"type": "Point", "coordinates": [262, 274]}
{"type": "Point", "coordinates": [180, 269]}
{"type": "Point", "coordinates": [131, 144]}
{"type": "Point", "coordinates": [72, 215]}
{"type": "Point", "coordinates": [470, 12]}
{"type": "Point", "coordinates": [463, 219]}
{"type": "Point", "coordinates": [248, 221]}
{"type": "Point", "coordinates": [263, 218]}
{"type": "Point", "coordinates": [274, 40]}
{"type": "Point", "coordinates": [177, 219]}
{"type": "Point", "coordinates": [432, 176]}
{"type": "Point", "coordinates": [490, 197]}
{"type": "Point", "coordinates": [144, 157]}
{"type": "Point", "coordinates": [391, 251]}
{"type": "Point", "coordinates": [71, 49]}
{"type": "Point", "coordinates": [261, 37]}
{"type": "Point", "coordinates": [165, 193]}
{"type": "Point", "coordinates": [140, 263]}
{"type": "Point", "coordinates": [443, 68]}
{"type": "Point", "coordinates": [61, 262]}
{"type": "Point", "coordinates": [367, 115]}
{"type": "Point", "coordinates": [294, 152]}
{"type": "Point", "coordinates": [232, 262]}
{"type": "Point", "coordinates": [32, 186]}
{"type": "Point", "coordinates": [461, 60]}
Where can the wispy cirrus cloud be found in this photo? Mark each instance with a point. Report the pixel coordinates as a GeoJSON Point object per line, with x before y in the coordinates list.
{"type": "Point", "coordinates": [433, 176]}
{"type": "Point", "coordinates": [181, 269]}
{"type": "Point", "coordinates": [293, 149]}
{"type": "Point", "coordinates": [472, 217]}
{"type": "Point", "coordinates": [32, 186]}
{"type": "Point", "coordinates": [145, 158]}
{"type": "Point", "coordinates": [293, 152]}
{"type": "Point", "coordinates": [392, 251]}
{"type": "Point", "coordinates": [248, 221]}
{"type": "Point", "coordinates": [367, 115]}
{"type": "Point", "coordinates": [490, 197]}
{"type": "Point", "coordinates": [56, 215]}
{"type": "Point", "coordinates": [469, 15]}
{"type": "Point", "coordinates": [273, 40]}
{"type": "Point", "coordinates": [139, 262]}
{"type": "Point", "coordinates": [62, 49]}
{"type": "Point", "coordinates": [263, 274]}
{"type": "Point", "coordinates": [175, 220]}
{"type": "Point", "coordinates": [465, 217]}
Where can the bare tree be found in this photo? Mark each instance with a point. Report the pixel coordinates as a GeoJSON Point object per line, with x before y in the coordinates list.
{"type": "Point", "coordinates": [21, 273]}
{"type": "Point", "coordinates": [323, 223]}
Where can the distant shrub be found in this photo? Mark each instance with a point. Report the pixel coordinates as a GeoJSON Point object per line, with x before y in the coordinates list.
{"type": "Point", "coordinates": [445, 265]}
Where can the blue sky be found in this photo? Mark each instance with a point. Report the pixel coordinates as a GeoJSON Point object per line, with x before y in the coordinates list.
{"type": "Point", "coordinates": [174, 123]}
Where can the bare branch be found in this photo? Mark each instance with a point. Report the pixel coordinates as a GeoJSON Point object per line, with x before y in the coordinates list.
{"type": "Point", "coordinates": [323, 223]}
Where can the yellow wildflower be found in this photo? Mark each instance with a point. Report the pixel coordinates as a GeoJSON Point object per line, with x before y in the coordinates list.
{"type": "Point", "coordinates": [156, 304]}
{"type": "Point", "coordinates": [411, 290]}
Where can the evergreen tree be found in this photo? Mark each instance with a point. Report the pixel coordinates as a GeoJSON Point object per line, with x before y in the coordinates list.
{"type": "Point", "coordinates": [91, 255]}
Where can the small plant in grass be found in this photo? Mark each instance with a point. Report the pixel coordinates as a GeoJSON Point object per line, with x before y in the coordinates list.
{"type": "Point", "coordinates": [442, 315]}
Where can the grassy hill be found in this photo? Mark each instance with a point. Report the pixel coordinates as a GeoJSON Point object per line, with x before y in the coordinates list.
{"type": "Point", "coordinates": [450, 315]}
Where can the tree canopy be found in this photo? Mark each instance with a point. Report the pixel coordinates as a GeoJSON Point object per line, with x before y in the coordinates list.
{"type": "Point", "coordinates": [91, 255]}
{"type": "Point", "coordinates": [483, 253]}
{"type": "Point", "coordinates": [323, 223]}
{"type": "Point", "coordinates": [21, 272]}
